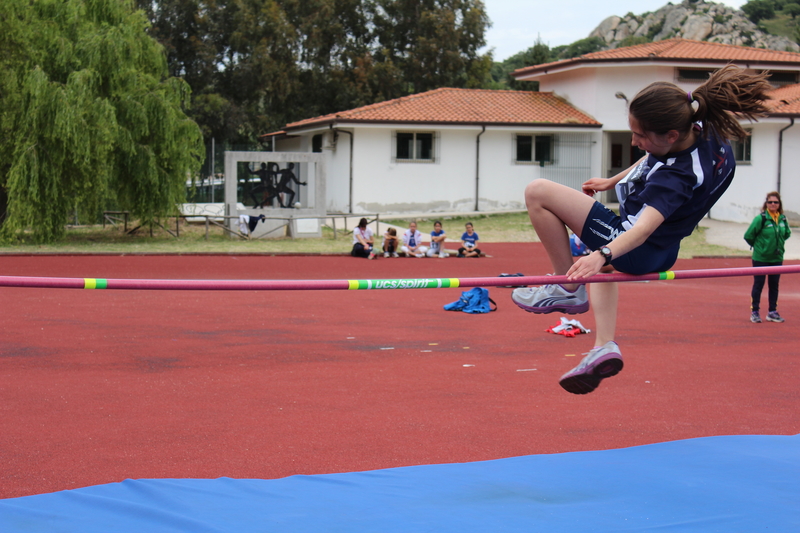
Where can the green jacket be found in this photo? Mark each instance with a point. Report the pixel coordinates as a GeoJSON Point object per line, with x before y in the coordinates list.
{"type": "Point", "coordinates": [766, 238]}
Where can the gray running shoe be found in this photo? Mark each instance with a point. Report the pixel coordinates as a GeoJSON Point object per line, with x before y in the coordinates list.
{"type": "Point", "coordinates": [773, 316]}
{"type": "Point", "coordinates": [551, 298]}
{"type": "Point", "coordinates": [754, 318]}
{"type": "Point", "coordinates": [600, 363]}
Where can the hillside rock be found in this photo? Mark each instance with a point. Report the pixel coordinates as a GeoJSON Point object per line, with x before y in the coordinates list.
{"type": "Point", "coordinates": [691, 19]}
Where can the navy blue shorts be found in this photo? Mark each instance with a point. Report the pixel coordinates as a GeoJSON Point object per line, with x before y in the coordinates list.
{"type": "Point", "coordinates": [603, 226]}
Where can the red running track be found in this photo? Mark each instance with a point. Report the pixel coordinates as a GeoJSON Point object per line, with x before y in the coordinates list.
{"type": "Point", "coordinates": [100, 386]}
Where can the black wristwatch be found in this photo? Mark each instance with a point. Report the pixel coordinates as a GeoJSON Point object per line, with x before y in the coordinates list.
{"type": "Point", "coordinates": [605, 251]}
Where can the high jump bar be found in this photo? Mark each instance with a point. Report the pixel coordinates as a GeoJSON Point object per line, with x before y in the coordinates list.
{"type": "Point", "coordinates": [362, 284]}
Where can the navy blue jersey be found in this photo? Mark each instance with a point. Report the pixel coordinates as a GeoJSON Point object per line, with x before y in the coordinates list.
{"type": "Point", "coordinates": [682, 186]}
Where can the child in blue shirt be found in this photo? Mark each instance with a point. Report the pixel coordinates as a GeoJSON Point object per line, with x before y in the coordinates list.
{"type": "Point", "coordinates": [437, 241]}
{"type": "Point", "coordinates": [469, 242]}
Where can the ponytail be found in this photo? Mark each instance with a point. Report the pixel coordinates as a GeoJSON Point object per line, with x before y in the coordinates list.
{"type": "Point", "coordinates": [728, 94]}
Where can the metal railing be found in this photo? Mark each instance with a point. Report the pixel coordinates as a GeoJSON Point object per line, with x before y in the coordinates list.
{"type": "Point", "coordinates": [115, 217]}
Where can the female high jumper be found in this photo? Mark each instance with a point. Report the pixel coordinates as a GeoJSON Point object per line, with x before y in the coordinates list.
{"type": "Point", "coordinates": [688, 165]}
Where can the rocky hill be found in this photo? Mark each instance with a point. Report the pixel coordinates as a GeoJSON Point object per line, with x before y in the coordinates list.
{"type": "Point", "coordinates": [691, 19]}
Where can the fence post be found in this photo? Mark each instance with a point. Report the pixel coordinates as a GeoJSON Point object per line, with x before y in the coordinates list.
{"type": "Point", "coordinates": [333, 219]}
{"type": "Point", "coordinates": [206, 227]}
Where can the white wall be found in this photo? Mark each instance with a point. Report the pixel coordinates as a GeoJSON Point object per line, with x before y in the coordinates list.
{"type": "Point", "coordinates": [744, 198]}
{"type": "Point", "coordinates": [790, 175]}
{"type": "Point", "coordinates": [593, 89]}
{"type": "Point", "coordinates": [502, 181]}
{"type": "Point", "coordinates": [381, 185]}
{"type": "Point", "coordinates": [338, 156]}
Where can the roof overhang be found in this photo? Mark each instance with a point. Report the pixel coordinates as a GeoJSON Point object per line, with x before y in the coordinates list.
{"type": "Point", "coordinates": [537, 71]}
{"type": "Point", "coordinates": [780, 116]}
{"type": "Point", "coordinates": [350, 123]}
{"type": "Point", "coordinates": [275, 135]}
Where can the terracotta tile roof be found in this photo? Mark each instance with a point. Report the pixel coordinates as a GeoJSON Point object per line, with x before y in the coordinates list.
{"type": "Point", "coordinates": [785, 100]}
{"type": "Point", "coordinates": [462, 106]}
{"type": "Point", "coordinates": [674, 50]}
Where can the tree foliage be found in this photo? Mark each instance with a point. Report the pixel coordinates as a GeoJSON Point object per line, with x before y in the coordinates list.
{"type": "Point", "coordinates": [96, 119]}
{"type": "Point", "coordinates": [255, 65]}
{"type": "Point", "coordinates": [425, 44]}
{"type": "Point", "coordinates": [792, 9]}
{"type": "Point", "coordinates": [757, 10]}
{"type": "Point", "coordinates": [539, 54]}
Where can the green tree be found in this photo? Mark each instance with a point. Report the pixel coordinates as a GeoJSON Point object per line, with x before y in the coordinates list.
{"type": "Point", "coordinates": [792, 9]}
{"type": "Point", "coordinates": [579, 48]}
{"type": "Point", "coordinates": [758, 10]}
{"type": "Point", "coordinates": [425, 44]}
{"type": "Point", "coordinates": [633, 41]}
{"type": "Point", "coordinates": [255, 65]}
{"type": "Point", "coordinates": [537, 54]}
{"type": "Point", "coordinates": [336, 67]}
{"type": "Point", "coordinates": [99, 121]}
{"type": "Point", "coordinates": [199, 37]}
{"type": "Point", "coordinates": [15, 38]}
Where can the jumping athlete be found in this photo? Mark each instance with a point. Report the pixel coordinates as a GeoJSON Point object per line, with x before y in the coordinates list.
{"type": "Point", "coordinates": [687, 166]}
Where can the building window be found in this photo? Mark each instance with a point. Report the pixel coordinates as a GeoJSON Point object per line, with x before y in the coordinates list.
{"type": "Point", "coordinates": [694, 74]}
{"type": "Point", "coordinates": [414, 146]}
{"type": "Point", "coordinates": [535, 149]}
{"type": "Point", "coordinates": [741, 148]}
{"type": "Point", "coordinates": [316, 143]}
{"type": "Point", "coordinates": [778, 78]}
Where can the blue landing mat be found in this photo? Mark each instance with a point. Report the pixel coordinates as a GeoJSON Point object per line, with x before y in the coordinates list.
{"type": "Point", "coordinates": [726, 484]}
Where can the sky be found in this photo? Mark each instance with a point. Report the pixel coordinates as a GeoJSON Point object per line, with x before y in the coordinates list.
{"type": "Point", "coordinates": [517, 23]}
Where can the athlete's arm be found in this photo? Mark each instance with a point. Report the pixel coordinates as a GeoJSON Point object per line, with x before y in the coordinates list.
{"type": "Point", "coordinates": [603, 184]}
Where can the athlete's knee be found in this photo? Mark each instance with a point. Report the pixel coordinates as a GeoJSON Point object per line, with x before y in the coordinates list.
{"type": "Point", "coordinates": [539, 189]}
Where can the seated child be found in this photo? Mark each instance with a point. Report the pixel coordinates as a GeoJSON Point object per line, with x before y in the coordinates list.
{"type": "Point", "coordinates": [390, 241]}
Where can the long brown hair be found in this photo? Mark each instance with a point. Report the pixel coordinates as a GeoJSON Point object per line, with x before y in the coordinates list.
{"type": "Point", "coordinates": [777, 195]}
{"type": "Point", "coordinates": [728, 94]}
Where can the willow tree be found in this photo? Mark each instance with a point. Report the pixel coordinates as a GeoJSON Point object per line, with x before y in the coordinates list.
{"type": "Point", "coordinates": [98, 122]}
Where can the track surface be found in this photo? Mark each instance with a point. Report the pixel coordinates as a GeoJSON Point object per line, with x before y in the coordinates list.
{"type": "Point", "coordinates": [100, 386]}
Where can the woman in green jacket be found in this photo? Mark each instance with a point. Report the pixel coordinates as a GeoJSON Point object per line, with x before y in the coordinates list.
{"type": "Point", "coordinates": [766, 235]}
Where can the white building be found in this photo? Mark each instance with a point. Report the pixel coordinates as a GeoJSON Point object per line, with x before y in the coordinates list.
{"type": "Point", "coordinates": [447, 150]}
{"type": "Point", "coordinates": [464, 150]}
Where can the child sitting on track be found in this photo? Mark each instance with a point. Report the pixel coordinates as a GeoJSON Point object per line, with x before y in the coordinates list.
{"type": "Point", "coordinates": [687, 167]}
{"type": "Point", "coordinates": [390, 243]}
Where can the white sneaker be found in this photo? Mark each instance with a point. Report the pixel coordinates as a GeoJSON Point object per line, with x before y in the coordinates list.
{"type": "Point", "coordinates": [420, 255]}
{"type": "Point", "coordinates": [395, 254]}
{"type": "Point", "coordinates": [551, 298]}
{"type": "Point", "coordinates": [385, 254]}
{"type": "Point", "coordinates": [442, 255]}
{"type": "Point", "coordinates": [600, 363]}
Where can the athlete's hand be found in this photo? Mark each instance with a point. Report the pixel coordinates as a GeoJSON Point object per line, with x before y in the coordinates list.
{"type": "Point", "coordinates": [595, 185]}
{"type": "Point", "coordinates": [586, 266]}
